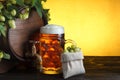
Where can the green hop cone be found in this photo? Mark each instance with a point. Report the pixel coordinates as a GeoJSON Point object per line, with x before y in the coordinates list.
{"type": "Point", "coordinates": [77, 49]}
{"type": "Point", "coordinates": [13, 12]}
{"type": "Point", "coordinates": [12, 23]}
{"type": "Point", "coordinates": [66, 51]}
{"type": "Point", "coordinates": [21, 16]}
{"type": "Point", "coordinates": [27, 9]}
{"type": "Point", "coordinates": [1, 6]}
{"type": "Point", "coordinates": [25, 15]}
{"type": "Point", "coordinates": [9, 4]}
{"type": "Point", "coordinates": [2, 18]}
{"type": "Point", "coordinates": [71, 51]}
{"type": "Point", "coordinates": [68, 48]}
{"type": "Point", "coordinates": [13, 1]}
{"type": "Point", "coordinates": [73, 46]}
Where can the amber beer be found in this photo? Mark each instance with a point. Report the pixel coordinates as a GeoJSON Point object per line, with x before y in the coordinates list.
{"type": "Point", "coordinates": [51, 47]}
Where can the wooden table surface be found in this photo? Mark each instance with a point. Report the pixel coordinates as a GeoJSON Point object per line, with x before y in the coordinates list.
{"type": "Point", "coordinates": [97, 68]}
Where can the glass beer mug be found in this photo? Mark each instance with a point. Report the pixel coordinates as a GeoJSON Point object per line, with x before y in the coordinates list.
{"type": "Point", "coordinates": [51, 47]}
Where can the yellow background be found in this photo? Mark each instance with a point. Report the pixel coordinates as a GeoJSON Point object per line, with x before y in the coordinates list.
{"type": "Point", "coordinates": [93, 24]}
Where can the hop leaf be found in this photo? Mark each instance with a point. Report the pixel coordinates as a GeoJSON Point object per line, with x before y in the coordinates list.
{"type": "Point", "coordinates": [1, 55]}
{"type": "Point", "coordinates": [2, 30]}
{"type": "Point", "coordinates": [13, 1]}
{"type": "Point", "coordinates": [20, 2]}
{"type": "Point", "coordinates": [6, 56]}
{"type": "Point", "coordinates": [28, 1]}
{"type": "Point", "coordinates": [38, 6]}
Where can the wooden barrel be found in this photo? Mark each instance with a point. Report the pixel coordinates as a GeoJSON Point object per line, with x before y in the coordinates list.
{"type": "Point", "coordinates": [15, 42]}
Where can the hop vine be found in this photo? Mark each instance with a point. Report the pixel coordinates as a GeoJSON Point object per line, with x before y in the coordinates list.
{"type": "Point", "coordinates": [12, 9]}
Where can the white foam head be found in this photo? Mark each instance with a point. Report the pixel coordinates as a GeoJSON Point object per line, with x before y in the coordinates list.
{"type": "Point", "coordinates": [52, 29]}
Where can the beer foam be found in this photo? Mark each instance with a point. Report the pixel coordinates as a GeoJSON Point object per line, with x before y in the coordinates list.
{"type": "Point", "coordinates": [52, 29]}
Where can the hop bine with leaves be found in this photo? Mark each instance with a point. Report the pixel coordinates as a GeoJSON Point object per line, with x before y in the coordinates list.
{"type": "Point", "coordinates": [10, 10]}
{"type": "Point", "coordinates": [13, 9]}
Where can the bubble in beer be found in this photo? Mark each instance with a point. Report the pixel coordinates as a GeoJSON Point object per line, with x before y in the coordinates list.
{"type": "Point", "coordinates": [42, 48]}
{"type": "Point", "coordinates": [56, 42]}
{"type": "Point", "coordinates": [51, 49]}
